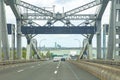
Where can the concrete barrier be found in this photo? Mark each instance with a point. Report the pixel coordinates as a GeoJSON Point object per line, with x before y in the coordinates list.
{"type": "Point", "coordinates": [108, 62]}
{"type": "Point", "coordinates": [101, 71]}
{"type": "Point", "coordinates": [2, 63]}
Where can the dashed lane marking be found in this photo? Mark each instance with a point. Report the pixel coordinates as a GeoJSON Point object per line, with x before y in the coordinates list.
{"type": "Point", "coordinates": [20, 70]}
{"type": "Point", "coordinates": [55, 72]}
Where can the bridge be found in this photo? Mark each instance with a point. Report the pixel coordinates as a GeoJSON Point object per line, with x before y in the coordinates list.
{"type": "Point", "coordinates": [106, 65]}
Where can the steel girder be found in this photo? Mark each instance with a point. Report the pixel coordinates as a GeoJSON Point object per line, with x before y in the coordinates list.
{"type": "Point", "coordinates": [58, 16]}
{"type": "Point", "coordinates": [37, 16]}
{"type": "Point", "coordinates": [35, 8]}
{"type": "Point", "coordinates": [14, 8]}
{"type": "Point", "coordinates": [82, 8]}
{"type": "Point", "coordinates": [100, 13]}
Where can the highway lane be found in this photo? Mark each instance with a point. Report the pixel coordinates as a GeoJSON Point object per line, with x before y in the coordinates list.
{"type": "Point", "coordinates": [46, 70]}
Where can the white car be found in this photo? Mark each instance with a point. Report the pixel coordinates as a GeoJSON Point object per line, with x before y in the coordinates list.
{"type": "Point", "coordinates": [56, 59]}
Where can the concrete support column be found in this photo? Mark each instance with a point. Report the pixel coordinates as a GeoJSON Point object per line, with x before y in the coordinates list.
{"type": "Point", "coordinates": [4, 32]}
{"type": "Point", "coordinates": [111, 33]}
{"type": "Point", "coordinates": [19, 50]}
{"type": "Point", "coordinates": [90, 52]}
{"type": "Point", "coordinates": [13, 42]}
{"type": "Point", "coordinates": [28, 55]}
{"type": "Point", "coordinates": [104, 41]}
{"type": "Point", "coordinates": [98, 35]}
{"type": "Point", "coordinates": [1, 28]}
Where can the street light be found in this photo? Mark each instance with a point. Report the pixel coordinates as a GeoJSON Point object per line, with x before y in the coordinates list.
{"type": "Point", "coordinates": [78, 41]}
{"type": "Point", "coordinates": [40, 43]}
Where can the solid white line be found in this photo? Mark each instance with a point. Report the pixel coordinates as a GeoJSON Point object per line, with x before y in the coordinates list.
{"type": "Point", "coordinates": [55, 72]}
{"type": "Point", "coordinates": [20, 70]}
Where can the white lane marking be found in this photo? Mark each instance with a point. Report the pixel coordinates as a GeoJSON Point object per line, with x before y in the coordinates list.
{"type": "Point", "coordinates": [32, 66]}
{"type": "Point", "coordinates": [73, 73]}
{"type": "Point", "coordinates": [57, 67]}
{"type": "Point", "coordinates": [20, 70]}
{"type": "Point", "coordinates": [55, 72]}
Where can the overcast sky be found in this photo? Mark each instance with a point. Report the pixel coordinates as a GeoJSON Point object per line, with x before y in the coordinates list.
{"type": "Point", "coordinates": [63, 40]}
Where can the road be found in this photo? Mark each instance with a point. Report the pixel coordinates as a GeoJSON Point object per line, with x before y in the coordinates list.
{"type": "Point", "coordinates": [46, 70]}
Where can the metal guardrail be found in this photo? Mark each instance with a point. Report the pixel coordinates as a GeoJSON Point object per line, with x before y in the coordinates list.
{"type": "Point", "coordinates": [103, 72]}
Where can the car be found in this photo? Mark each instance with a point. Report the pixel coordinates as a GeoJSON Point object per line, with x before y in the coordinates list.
{"type": "Point", "coordinates": [62, 59]}
{"type": "Point", "coordinates": [56, 59]}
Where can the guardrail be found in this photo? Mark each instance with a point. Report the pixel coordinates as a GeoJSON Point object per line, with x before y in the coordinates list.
{"type": "Point", "coordinates": [8, 62]}
{"type": "Point", "coordinates": [103, 72]}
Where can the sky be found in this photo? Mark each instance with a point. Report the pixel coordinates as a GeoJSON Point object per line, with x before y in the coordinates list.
{"type": "Point", "coordinates": [68, 40]}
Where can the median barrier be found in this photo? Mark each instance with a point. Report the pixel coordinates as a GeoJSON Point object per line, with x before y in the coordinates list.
{"type": "Point", "coordinates": [8, 62]}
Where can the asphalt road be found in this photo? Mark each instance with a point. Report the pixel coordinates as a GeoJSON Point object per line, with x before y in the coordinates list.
{"type": "Point", "coordinates": [46, 70]}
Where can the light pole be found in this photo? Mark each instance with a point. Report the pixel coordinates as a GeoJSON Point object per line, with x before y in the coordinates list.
{"type": "Point", "coordinates": [78, 41]}
{"type": "Point", "coordinates": [40, 43]}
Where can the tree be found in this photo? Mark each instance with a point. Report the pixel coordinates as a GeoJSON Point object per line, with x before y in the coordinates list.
{"type": "Point", "coordinates": [48, 54]}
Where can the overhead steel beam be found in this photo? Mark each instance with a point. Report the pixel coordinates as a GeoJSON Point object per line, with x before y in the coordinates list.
{"type": "Point", "coordinates": [37, 16]}
{"type": "Point", "coordinates": [82, 8]}
{"type": "Point", "coordinates": [58, 30]}
{"type": "Point", "coordinates": [100, 13]}
{"type": "Point", "coordinates": [81, 17]}
{"type": "Point", "coordinates": [14, 8]}
{"type": "Point", "coordinates": [55, 29]}
{"type": "Point", "coordinates": [102, 9]}
{"type": "Point", "coordinates": [35, 8]}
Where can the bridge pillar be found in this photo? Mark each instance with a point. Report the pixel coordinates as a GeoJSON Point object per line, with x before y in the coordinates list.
{"type": "Point", "coordinates": [28, 55]}
{"type": "Point", "coordinates": [113, 51]}
{"type": "Point", "coordinates": [98, 34]}
{"type": "Point", "coordinates": [104, 40]}
{"type": "Point", "coordinates": [1, 29]}
{"type": "Point", "coordinates": [4, 31]}
{"type": "Point", "coordinates": [19, 50]}
{"type": "Point", "coordinates": [12, 56]}
{"type": "Point", "coordinates": [90, 52]}
{"type": "Point", "coordinates": [90, 49]}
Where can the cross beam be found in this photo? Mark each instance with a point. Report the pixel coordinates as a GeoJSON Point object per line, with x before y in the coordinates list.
{"type": "Point", "coordinates": [58, 30]}
{"type": "Point", "coordinates": [55, 30]}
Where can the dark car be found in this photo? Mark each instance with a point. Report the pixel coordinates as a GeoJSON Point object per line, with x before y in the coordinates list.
{"type": "Point", "coordinates": [62, 59]}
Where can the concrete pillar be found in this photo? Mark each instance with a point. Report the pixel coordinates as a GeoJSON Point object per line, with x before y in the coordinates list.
{"type": "Point", "coordinates": [28, 55]}
{"type": "Point", "coordinates": [98, 35]}
{"type": "Point", "coordinates": [104, 41]}
{"type": "Point", "coordinates": [90, 52]}
{"type": "Point", "coordinates": [4, 32]}
{"type": "Point", "coordinates": [13, 42]}
{"type": "Point", "coordinates": [19, 50]}
{"type": "Point", "coordinates": [111, 33]}
{"type": "Point", "coordinates": [1, 28]}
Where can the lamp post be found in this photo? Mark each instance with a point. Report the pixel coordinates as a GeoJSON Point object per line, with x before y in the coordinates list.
{"type": "Point", "coordinates": [78, 41]}
{"type": "Point", "coordinates": [40, 43]}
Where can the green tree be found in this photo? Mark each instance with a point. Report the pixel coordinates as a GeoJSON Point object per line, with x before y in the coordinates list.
{"type": "Point", "coordinates": [48, 54]}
